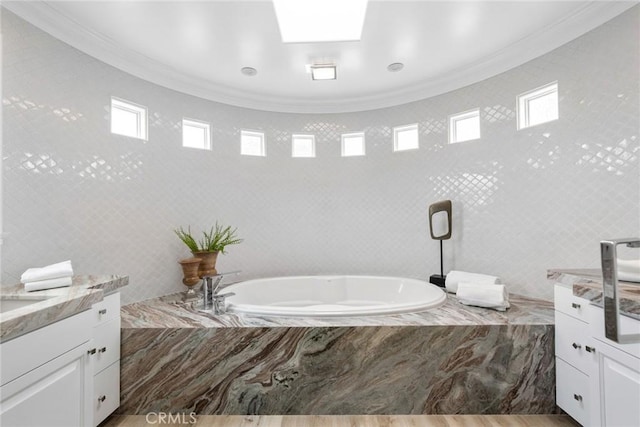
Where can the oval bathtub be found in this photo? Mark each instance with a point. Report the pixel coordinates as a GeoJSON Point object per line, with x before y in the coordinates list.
{"type": "Point", "coordinates": [322, 296]}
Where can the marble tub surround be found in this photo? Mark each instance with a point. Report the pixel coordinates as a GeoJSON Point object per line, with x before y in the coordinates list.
{"type": "Point", "coordinates": [450, 360]}
{"type": "Point", "coordinates": [171, 312]}
{"type": "Point", "coordinates": [587, 283]}
{"type": "Point", "coordinates": [56, 304]}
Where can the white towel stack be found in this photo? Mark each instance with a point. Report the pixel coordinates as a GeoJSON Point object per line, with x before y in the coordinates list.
{"type": "Point", "coordinates": [483, 295]}
{"type": "Point", "coordinates": [454, 277]}
{"type": "Point", "coordinates": [629, 270]}
{"type": "Point", "coordinates": [52, 276]}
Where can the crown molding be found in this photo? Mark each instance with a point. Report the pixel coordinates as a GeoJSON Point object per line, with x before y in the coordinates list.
{"type": "Point", "coordinates": [49, 19]}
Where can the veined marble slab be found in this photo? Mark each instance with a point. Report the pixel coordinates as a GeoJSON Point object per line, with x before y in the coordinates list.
{"type": "Point", "coordinates": [587, 283]}
{"type": "Point", "coordinates": [56, 304]}
{"type": "Point", "coordinates": [454, 359]}
{"type": "Point", "coordinates": [170, 312]}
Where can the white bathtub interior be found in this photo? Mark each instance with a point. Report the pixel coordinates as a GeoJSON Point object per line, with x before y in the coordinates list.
{"type": "Point", "coordinates": [336, 295]}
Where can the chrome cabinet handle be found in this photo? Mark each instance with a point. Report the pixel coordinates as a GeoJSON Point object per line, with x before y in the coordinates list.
{"type": "Point", "coordinates": [577, 397]}
{"type": "Point", "coordinates": [576, 346]}
{"type": "Point", "coordinates": [609, 259]}
{"type": "Point", "coordinates": [575, 305]}
{"type": "Point", "coordinates": [92, 351]}
{"type": "Point", "coordinates": [103, 311]}
{"type": "Point", "coordinates": [102, 398]}
{"type": "Point", "coordinates": [590, 349]}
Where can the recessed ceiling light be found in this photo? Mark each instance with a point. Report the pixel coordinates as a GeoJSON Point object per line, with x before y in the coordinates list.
{"type": "Point", "coordinates": [396, 66]}
{"type": "Point", "coordinates": [323, 72]}
{"type": "Point", "coordinates": [249, 71]}
{"type": "Point", "coordinates": [320, 20]}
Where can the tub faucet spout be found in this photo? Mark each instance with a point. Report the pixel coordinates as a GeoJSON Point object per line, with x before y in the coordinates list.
{"type": "Point", "coordinates": [210, 290]}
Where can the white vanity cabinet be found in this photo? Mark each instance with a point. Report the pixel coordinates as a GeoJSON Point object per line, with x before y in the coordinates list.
{"type": "Point", "coordinates": [104, 357]}
{"type": "Point", "coordinates": [45, 375]}
{"type": "Point", "coordinates": [597, 380]}
{"type": "Point", "coordinates": [64, 374]}
{"type": "Point", "coordinates": [576, 363]}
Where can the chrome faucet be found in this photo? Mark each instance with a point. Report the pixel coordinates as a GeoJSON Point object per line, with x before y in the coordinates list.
{"type": "Point", "coordinates": [611, 299]}
{"type": "Point", "coordinates": [212, 299]}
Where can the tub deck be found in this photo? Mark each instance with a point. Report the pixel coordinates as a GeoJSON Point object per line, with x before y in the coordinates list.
{"type": "Point", "coordinates": [450, 360]}
{"type": "Point", "coordinates": [170, 312]}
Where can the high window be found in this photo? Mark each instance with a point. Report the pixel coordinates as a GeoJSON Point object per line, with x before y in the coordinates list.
{"type": "Point", "coordinates": [464, 126]}
{"type": "Point", "coordinates": [128, 119]}
{"type": "Point", "coordinates": [196, 134]}
{"type": "Point", "coordinates": [405, 138]}
{"type": "Point", "coordinates": [538, 106]}
{"type": "Point", "coordinates": [252, 143]}
{"type": "Point", "coordinates": [303, 146]}
{"type": "Point", "coordinates": [353, 144]}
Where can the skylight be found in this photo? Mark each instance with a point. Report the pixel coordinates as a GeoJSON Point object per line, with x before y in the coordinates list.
{"type": "Point", "coordinates": [323, 72]}
{"type": "Point", "coordinates": [309, 21]}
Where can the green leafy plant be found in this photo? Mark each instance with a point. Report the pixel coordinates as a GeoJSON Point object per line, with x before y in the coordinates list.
{"type": "Point", "coordinates": [215, 240]}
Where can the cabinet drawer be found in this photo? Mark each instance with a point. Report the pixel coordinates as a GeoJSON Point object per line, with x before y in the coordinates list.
{"type": "Point", "coordinates": [106, 393]}
{"type": "Point", "coordinates": [27, 352]}
{"type": "Point", "coordinates": [567, 303]}
{"type": "Point", "coordinates": [572, 392]}
{"type": "Point", "coordinates": [106, 342]}
{"type": "Point", "coordinates": [107, 309]}
{"type": "Point", "coordinates": [574, 343]}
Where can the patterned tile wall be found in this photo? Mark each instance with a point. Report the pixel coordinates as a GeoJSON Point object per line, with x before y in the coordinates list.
{"type": "Point", "coordinates": [524, 201]}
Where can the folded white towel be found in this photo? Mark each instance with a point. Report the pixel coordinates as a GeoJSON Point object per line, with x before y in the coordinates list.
{"type": "Point", "coordinates": [53, 271]}
{"type": "Point", "coordinates": [629, 265]}
{"type": "Point", "coordinates": [454, 277]}
{"type": "Point", "coordinates": [629, 276]}
{"type": "Point", "coordinates": [483, 295]}
{"type": "Point", "coordinates": [40, 285]}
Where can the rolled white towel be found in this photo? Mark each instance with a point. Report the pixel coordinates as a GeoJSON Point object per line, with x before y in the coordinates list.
{"type": "Point", "coordinates": [53, 271]}
{"type": "Point", "coordinates": [483, 295]}
{"type": "Point", "coordinates": [41, 285]}
{"type": "Point", "coordinates": [454, 277]}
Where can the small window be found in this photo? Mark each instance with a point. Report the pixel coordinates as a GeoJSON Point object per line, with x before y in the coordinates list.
{"type": "Point", "coordinates": [405, 138]}
{"type": "Point", "coordinates": [353, 144]}
{"type": "Point", "coordinates": [252, 143]}
{"type": "Point", "coordinates": [303, 146]}
{"type": "Point", "coordinates": [128, 119]}
{"type": "Point", "coordinates": [464, 126]}
{"type": "Point", "coordinates": [538, 106]}
{"type": "Point", "coordinates": [196, 134]}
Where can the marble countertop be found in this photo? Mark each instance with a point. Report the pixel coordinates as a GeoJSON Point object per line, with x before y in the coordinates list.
{"type": "Point", "coordinates": [170, 312]}
{"type": "Point", "coordinates": [587, 283]}
{"type": "Point", "coordinates": [53, 304]}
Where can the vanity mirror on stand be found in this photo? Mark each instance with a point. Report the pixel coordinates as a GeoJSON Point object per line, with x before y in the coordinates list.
{"type": "Point", "coordinates": [440, 229]}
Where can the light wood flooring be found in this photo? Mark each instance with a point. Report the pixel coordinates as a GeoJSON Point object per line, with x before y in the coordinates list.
{"type": "Point", "coordinates": [349, 421]}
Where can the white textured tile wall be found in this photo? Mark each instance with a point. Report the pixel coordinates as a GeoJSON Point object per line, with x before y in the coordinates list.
{"type": "Point", "coordinates": [524, 201]}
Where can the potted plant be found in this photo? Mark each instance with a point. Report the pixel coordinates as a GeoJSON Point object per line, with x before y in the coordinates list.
{"type": "Point", "coordinates": [207, 248]}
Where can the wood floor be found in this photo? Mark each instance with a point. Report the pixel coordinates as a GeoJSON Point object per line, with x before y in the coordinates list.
{"type": "Point", "coordinates": [347, 421]}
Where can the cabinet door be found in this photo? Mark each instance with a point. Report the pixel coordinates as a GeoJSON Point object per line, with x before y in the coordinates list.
{"type": "Point", "coordinates": [51, 395]}
{"type": "Point", "coordinates": [619, 387]}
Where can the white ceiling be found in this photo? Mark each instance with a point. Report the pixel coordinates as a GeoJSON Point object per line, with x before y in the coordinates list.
{"type": "Point", "coordinates": [200, 47]}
